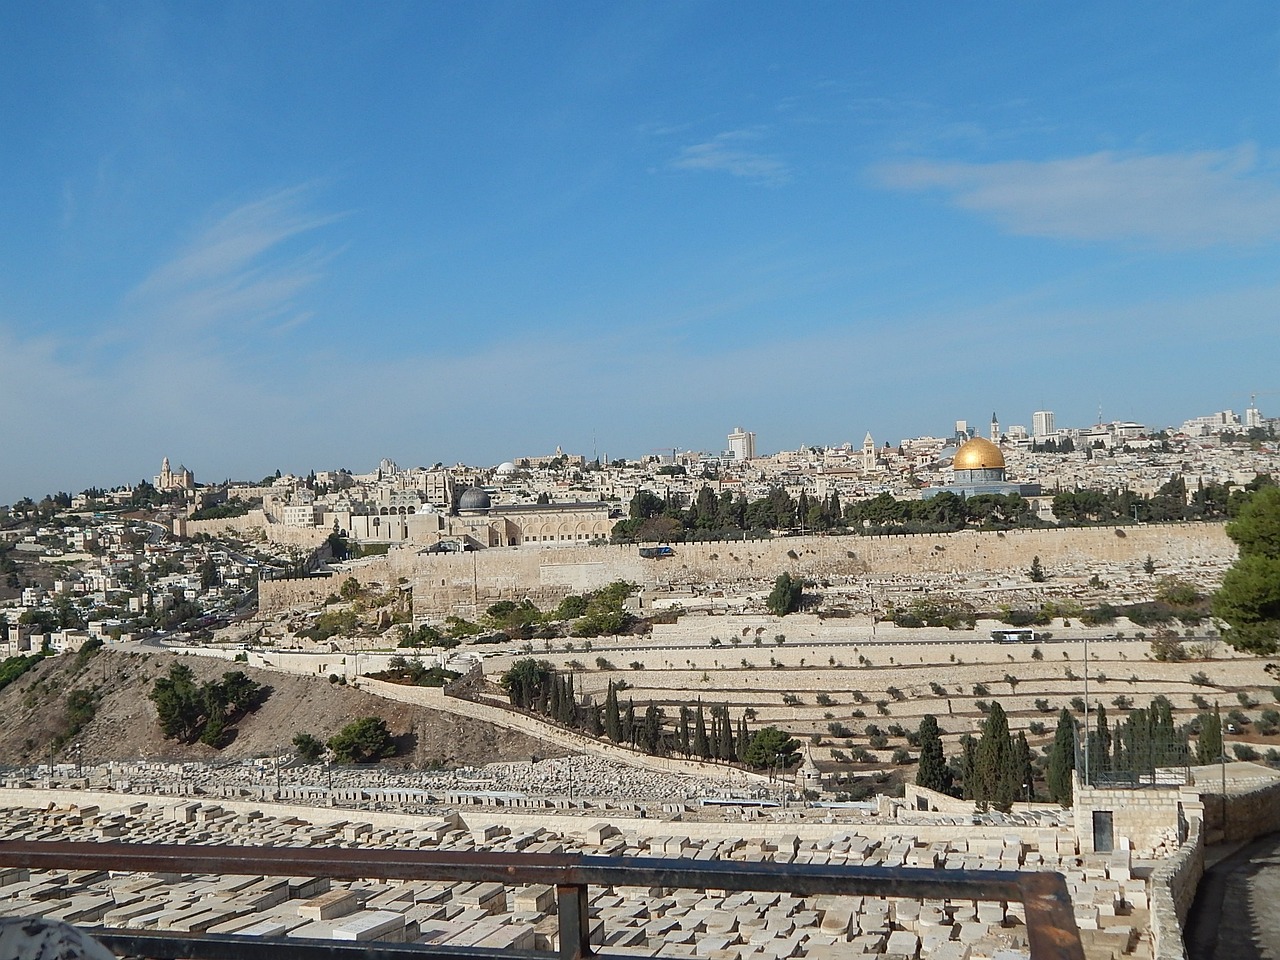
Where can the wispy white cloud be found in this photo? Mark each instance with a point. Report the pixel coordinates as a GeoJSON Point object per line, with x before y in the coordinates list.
{"type": "Point", "coordinates": [730, 153]}
{"type": "Point", "coordinates": [240, 271]}
{"type": "Point", "coordinates": [1176, 200]}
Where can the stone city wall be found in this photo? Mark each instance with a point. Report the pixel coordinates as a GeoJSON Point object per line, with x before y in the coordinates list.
{"type": "Point", "coordinates": [449, 583]}
{"type": "Point", "coordinates": [252, 524]}
{"type": "Point", "coordinates": [466, 583]}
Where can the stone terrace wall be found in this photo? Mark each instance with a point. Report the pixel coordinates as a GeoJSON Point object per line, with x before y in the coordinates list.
{"type": "Point", "coordinates": [1173, 888]}
{"type": "Point", "coordinates": [1248, 815]}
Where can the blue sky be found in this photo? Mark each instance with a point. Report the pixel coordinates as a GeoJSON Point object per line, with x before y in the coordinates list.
{"type": "Point", "coordinates": [309, 235]}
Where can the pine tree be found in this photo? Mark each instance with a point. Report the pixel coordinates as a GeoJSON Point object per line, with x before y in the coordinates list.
{"type": "Point", "coordinates": [932, 773]}
{"type": "Point", "coordinates": [1062, 759]}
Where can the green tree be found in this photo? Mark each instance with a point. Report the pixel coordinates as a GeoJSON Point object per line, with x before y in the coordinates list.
{"type": "Point", "coordinates": [785, 596]}
{"type": "Point", "coordinates": [1256, 529]}
{"type": "Point", "coordinates": [769, 745]}
{"type": "Point", "coordinates": [1249, 598]}
{"type": "Point", "coordinates": [933, 772]}
{"type": "Point", "coordinates": [179, 704]}
{"type": "Point", "coordinates": [701, 743]}
{"type": "Point", "coordinates": [612, 717]}
{"type": "Point", "coordinates": [1209, 746]}
{"type": "Point", "coordinates": [363, 741]}
{"type": "Point", "coordinates": [996, 776]}
{"type": "Point", "coordinates": [310, 748]}
{"type": "Point", "coordinates": [1062, 759]}
{"type": "Point", "coordinates": [1036, 573]}
{"type": "Point", "coordinates": [528, 683]}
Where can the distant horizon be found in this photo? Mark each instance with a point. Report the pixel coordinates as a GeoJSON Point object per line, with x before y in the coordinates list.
{"type": "Point", "coordinates": [251, 476]}
{"type": "Point", "coordinates": [307, 234]}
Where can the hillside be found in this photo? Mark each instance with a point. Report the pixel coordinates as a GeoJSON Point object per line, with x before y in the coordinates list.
{"type": "Point", "coordinates": [34, 711]}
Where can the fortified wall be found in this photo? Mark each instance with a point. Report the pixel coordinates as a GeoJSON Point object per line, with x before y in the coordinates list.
{"type": "Point", "coordinates": [253, 523]}
{"type": "Point", "coordinates": [465, 584]}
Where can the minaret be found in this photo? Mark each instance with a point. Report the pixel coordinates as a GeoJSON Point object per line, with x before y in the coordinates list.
{"type": "Point", "coordinates": [995, 428]}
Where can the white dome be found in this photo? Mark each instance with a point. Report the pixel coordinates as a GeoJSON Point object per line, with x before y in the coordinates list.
{"type": "Point", "coordinates": [506, 467]}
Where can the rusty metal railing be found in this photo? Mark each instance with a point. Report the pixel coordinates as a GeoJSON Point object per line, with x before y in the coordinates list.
{"type": "Point", "coordinates": [1051, 928]}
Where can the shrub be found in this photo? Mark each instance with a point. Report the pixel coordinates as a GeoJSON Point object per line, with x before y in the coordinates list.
{"type": "Point", "coordinates": [825, 700]}
{"type": "Point", "coordinates": [1246, 701]}
{"type": "Point", "coordinates": [1037, 653]}
{"type": "Point", "coordinates": [363, 741]}
{"type": "Point", "coordinates": [981, 690]}
{"type": "Point", "coordinates": [1200, 678]}
{"type": "Point", "coordinates": [1244, 751]}
{"type": "Point", "coordinates": [937, 688]}
{"type": "Point", "coordinates": [310, 748]}
{"type": "Point", "coordinates": [1077, 704]}
{"type": "Point", "coordinates": [895, 693]}
{"type": "Point", "coordinates": [1037, 727]}
{"type": "Point", "coordinates": [1042, 705]}
{"type": "Point", "coordinates": [902, 756]}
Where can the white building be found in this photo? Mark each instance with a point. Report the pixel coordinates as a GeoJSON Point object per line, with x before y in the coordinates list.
{"type": "Point", "coordinates": [1042, 423]}
{"type": "Point", "coordinates": [742, 445]}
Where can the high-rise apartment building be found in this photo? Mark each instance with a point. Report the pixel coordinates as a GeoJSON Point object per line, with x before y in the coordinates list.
{"type": "Point", "coordinates": [742, 445]}
{"type": "Point", "coordinates": [1042, 423]}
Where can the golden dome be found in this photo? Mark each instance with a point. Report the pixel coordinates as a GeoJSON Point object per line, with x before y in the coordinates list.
{"type": "Point", "coordinates": [978, 454]}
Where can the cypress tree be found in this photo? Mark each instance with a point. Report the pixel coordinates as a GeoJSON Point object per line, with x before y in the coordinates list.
{"type": "Point", "coordinates": [968, 767]}
{"type": "Point", "coordinates": [629, 728]}
{"type": "Point", "coordinates": [933, 772]}
{"type": "Point", "coordinates": [1062, 759]}
{"type": "Point", "coordinates": [612, 722]}
{"type": "Point", "coordinates": [1209, 746]}
{"type": "Point", "coordinates": [995, 770]}
{"type": "Point", "coordinates": [701, 745]}
{"type": "Point", "coordinates": [727, 751]}
{"type": "Point", "coordinates": [652, 736]}
{"type": "Point", "coordinates": [684, 730]}
{"type": "Point", "coordinates": [1100, 743]}
{"type": "Point", "coordinates": [744, 738]}
{"type": "Point", "coordinates": [1026, 768]}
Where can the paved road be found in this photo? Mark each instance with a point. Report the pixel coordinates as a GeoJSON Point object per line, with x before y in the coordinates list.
{"type": "Point", "coordinates": [1236, 914]}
